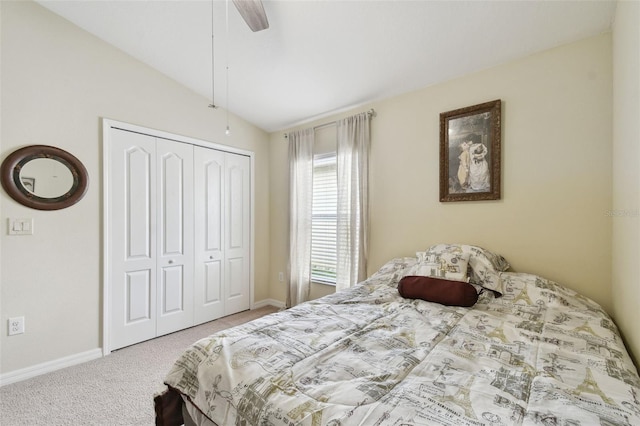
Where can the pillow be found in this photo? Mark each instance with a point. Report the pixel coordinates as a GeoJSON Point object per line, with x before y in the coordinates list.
{"type": "Point", "coordinates": [448, 265]}
{"type": "Point", "coordinates": [396, 268]}
{"type": "Point", "coordinates": [438, 290]}
{"type": "Point", "coordinates": [476, 254]}
{"type": "Point", "coordinates": [486, 278]}
{"type": "Point", "coordinates": [489, 259]}
{"type": "Point", "coordinates": [484, 266]}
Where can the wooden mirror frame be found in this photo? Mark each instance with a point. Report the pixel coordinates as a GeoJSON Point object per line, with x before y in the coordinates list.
{"type": "Point", "coordinates": [10, 177]}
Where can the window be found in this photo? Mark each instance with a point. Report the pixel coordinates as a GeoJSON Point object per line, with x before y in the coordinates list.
{"type": "Point", "coordinates": [324, 219]}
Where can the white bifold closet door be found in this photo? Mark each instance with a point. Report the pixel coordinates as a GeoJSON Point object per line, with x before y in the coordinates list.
{"type": "Point", "coordinates": [222, 238]}
{"type": "Point", "coordinates": [179, 236]}
{"type": "Point", "coordinates": [174, 218]}
{"type": "Point", "coordinates": [132, 238]}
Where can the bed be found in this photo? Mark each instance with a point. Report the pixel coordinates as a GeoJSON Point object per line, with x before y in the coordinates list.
{"type": "Point", "coordinates": [529, 351]}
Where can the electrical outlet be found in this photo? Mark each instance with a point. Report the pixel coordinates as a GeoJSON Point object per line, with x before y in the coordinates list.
{"type": "Point", "coordinates": [281, 277]}
{"type": "Point", "coordinates": [16, 325]}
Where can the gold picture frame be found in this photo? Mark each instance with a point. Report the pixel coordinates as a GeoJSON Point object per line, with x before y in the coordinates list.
{"type": "Point", "coordinates": [470, 142]}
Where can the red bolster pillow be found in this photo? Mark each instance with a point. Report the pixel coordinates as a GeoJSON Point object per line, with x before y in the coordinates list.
{"type": "Point", "coordinates": [438, 290]}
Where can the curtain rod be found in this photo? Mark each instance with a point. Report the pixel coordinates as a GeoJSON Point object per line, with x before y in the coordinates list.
{"type": "Point", "coordinates": [371, 112]}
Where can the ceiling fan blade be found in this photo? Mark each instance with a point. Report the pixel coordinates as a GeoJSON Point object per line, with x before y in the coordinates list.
{"type": "Point", "coordinates": [253, 14]}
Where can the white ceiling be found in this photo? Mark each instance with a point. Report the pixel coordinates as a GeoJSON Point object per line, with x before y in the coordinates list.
{"type": "Point", "coordinates": [321, 57]}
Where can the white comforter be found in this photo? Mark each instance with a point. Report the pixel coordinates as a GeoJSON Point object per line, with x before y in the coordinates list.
{"type": "Point", "coordinates": [539, 355]}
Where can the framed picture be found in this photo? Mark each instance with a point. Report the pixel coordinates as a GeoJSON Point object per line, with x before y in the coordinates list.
{"type": "Point", "coordinates": [470, 153]}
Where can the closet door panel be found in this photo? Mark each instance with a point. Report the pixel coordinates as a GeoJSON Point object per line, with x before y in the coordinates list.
{"type": "Point", "coordinates": [172, 204]}
{"type": "Point", "coordinates": [138, 303]}
{"type": "Point", "coordinates": [213, 180]}
{"type": "Point", "coordinates": [133, 240]}
{"type": "Point", "coordinates": [209, 236]}
{"type": "Point", "coordinates": [173, 290]}
{"type": "Point", "coordinates": [237, 233]}
{"type": "Point", "coordinates": [138, 170]}
{"type": "Point", "coordinates": [213, 282]}
{"type": "Point", "coordinates": [175, 235]}
{"type": "Point", "coordinates": [237, 205]}
{"type": "Point", "coordinates": [236, 275]}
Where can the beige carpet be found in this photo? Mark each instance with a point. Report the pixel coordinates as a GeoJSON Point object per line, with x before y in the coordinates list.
{"type": "Point", "coordinates": [114, 390]}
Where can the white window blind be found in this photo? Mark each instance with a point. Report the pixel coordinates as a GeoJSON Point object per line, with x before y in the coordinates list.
{"type": "Point", "coordinates": [324, 219]}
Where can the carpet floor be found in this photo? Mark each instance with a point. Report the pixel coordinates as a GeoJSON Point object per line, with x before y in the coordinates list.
{"type": "Point", "coordinates": [114, 390]}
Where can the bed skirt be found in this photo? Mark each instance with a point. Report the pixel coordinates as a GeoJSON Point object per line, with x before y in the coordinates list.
{"type": "Point", "coordinates": [168, 407]}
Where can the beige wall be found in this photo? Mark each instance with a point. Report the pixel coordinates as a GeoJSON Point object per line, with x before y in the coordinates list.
{"type": "Point", "coordinates": [556, 171]}
{"type": "Point", "coordinates": [626, 178]}
{"type": "Point", "coordinates": [57, 82]}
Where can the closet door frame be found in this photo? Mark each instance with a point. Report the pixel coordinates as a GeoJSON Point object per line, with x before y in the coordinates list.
{"type": "Point", "coordinates": [108, 126]}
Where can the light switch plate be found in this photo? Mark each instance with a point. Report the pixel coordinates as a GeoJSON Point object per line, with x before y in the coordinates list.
{"type": "Point", "coordinates": [20, 226]}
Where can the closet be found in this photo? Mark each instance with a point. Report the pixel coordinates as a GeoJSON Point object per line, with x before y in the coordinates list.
{"type": "Point", "coordinates": [178, 233]}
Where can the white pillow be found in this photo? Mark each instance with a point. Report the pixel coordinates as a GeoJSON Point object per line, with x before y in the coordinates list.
{"type": "Point", "coordinates": [447, 265]}
{"type": "Point", "coordinates": [484, 267]}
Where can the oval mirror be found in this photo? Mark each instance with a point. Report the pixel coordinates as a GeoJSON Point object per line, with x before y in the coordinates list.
{"type": "Point", "coordinates": [44, 177]}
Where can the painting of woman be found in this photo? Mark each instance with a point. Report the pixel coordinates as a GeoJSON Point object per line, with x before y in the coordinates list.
{"type": "Point", "coordinates": [463, 167]}
{"type": "Point", "coordinates": [479, 168]}
{"type": "Point", "coordinates": [470, 141]}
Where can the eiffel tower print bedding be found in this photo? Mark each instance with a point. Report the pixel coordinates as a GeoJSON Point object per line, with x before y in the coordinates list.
{"type": "Point", "coordinates": [540, 354]}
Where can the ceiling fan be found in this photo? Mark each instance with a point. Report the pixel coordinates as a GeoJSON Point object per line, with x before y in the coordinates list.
{"type": "Point", "coordinates": [253, 14]}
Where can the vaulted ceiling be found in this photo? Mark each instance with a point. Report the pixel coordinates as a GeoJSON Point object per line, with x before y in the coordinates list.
{"type": "Point", "coordinates": [321, 57]}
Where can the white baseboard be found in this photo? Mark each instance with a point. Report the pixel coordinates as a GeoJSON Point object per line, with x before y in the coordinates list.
{"type": "Point", "coordinates": [268, 302]}
{"type": "Point", "coordinates": [68, 361]}
{"type": "Point", "coordinates": [49, 366]}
